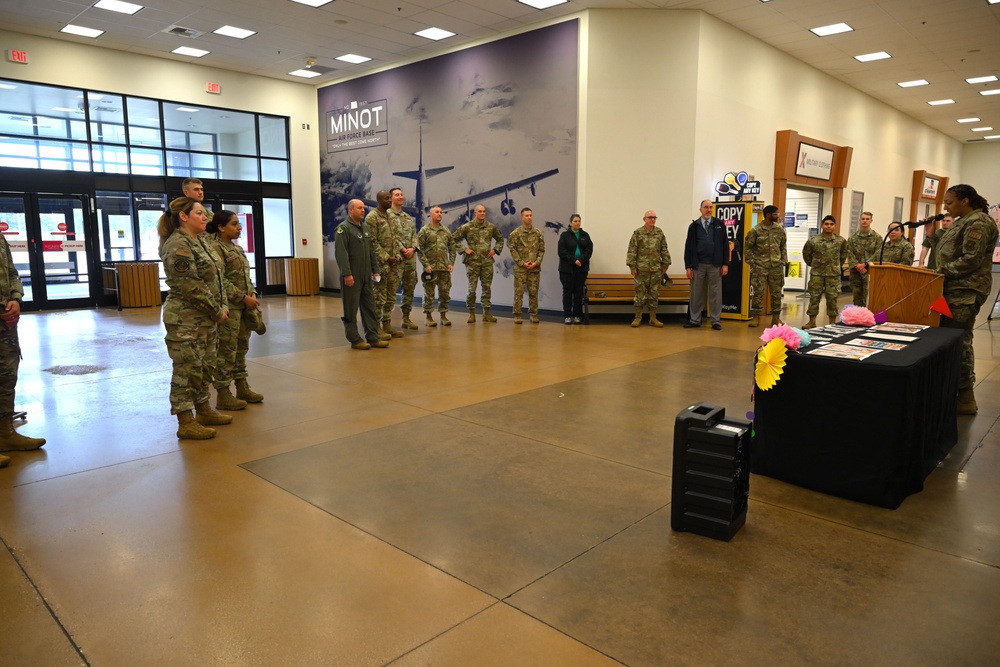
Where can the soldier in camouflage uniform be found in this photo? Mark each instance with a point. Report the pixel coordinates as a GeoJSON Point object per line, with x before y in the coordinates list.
{"type": "Point", "coordinates": [766, 253]}
{"type": "Point", "coordinates": [234, 333]}
{"type": "Point", "coordinates": [11, 293]}
{"type": "Point", "coordinates": [193, 189]}
{"type": "Point", "coordinates": [527, 247]}
{"type": "Point", "coordinates": [437, 251]}
{"type": "Point", "coordinates": [862, 249]}
{"type": "Point", "coordinates": [964, 257]}
{"type": "Point", "coordinates": [484, 242]}
{"type": "Point", "coordinates": [648, 258]}
{"type": "Point", "coordinates": [194, 307]}
{"type": "Point", "coordinates": [406, 232]}
{"type": "Point", "coordinates": [825, 254]}
{"type": "Point", "coordinates": [897, 249]}
{"type": "Point", "coordinates": [389, 251]}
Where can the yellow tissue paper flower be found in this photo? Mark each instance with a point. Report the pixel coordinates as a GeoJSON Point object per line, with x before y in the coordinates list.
{"type": "Point", "coordinates": [770, 363]}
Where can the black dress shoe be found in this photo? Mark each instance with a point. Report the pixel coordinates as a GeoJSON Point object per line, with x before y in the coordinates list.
{"type": "Point", "coordinates": [717, 326]}
{"type": "Point", "coordinates": [691, 325]}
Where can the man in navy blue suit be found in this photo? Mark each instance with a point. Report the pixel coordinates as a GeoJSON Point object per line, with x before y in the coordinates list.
{"type": "Point", "coordinates": [706, 260]}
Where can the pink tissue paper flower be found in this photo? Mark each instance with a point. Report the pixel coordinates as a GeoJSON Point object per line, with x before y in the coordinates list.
{"type": "Point", "coordinates": [857, 316]}
{"type": "Point", "coordinates": [785, 333]}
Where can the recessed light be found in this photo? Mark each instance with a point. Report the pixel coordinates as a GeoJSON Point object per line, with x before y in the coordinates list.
{"type": "Point", "coordinates": [233, 31]}
{"type": "Point", "coordinates": [981, 129]}
{"type": "Point", "coordinates": [992, 136]}
{"type": "Point", "coordinates": [188, 109]}
{"type": "Point", "coordinates": [981, 79]}
{"type": "Point", "coordinates": [120, 7]}
{"type": "Point", "coordinates": [313, 3]}
{"type": "Point", "coordinates": [868, 57]}
{"type": "Point", "coordinates": [83, 32]}
{"type": "Point", "coordinates": [305, 73]}
{"type": "Point", "coordinates": [937, 103]}
{"type": "Point", "coordinates": [968, 120]}
{"type": "Point", "coordinates": [912, 84]}
{"type": "Point", "coordinates": [827, 30]}
{"type": "Point", "coordinates": [542, 4]}
{"type": "Point", "coordinates": [434, 33]}
{"type": "Point", "coordinates": [188, 51]}
{"type": "Point", "coordinates": [995, 91]}
{"type": "Point", "coordinates": [351, 58]}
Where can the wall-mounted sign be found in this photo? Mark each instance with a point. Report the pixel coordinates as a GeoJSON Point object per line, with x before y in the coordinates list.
{"type": "Point", "coordinates": [737, 184]}
{"type": "Point", "coordinates": [930, 189]}
{"type": "Point", "coordinates": [358, 126]}
{"type": "Point", "coordinates": [213, 88]}
{"type": "Point", "coordinates": [814, 162]}
{"type": "Point", "coordinates": [15, 56]}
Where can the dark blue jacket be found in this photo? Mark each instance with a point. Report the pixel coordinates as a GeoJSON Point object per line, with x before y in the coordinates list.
{"type": "Point", "coordinates": [721, 251]}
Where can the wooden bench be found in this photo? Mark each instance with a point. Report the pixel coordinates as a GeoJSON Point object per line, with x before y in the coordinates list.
{"type": "Point", "coordinates": [609, 289]}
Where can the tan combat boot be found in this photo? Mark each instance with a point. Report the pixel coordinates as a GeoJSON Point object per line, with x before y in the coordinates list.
{"type": "Point", "coordinates": [966, 404]}
{"type": "Point", "coordinates": [776, 319]}
{"type": "Point", "coordinates": [226, 401]}
{"type": "Point", "coordinates": [653, 321]}
{"type": "Point", "coordinates": [517, 318]}
{"type": "Point", "coordinates": [407, 322]}
{"type": "Point", "coordinates": [811, 324]}
{"type": "Point", "coordinates": [393, 333]}
{"type": "Point", "coordinates": [754, 321]}
{"type": "Point", "coordinates": [206, 416]}
{"type": "Point", "coordinates": [11, 440]}
{"type": "Point", "coordinates": [534, 318]}
{"type": "Point", "coordinates": [363, 345]}
{"type": "Point", "coordinates": [430, 320]}
{"type": "Point", "coordinates": [382, 333]}
{"type": "Point", "coordinates": [487, 317]}
{"type": "Point", "coordinates": [638, 318]}
{"type": "Point", "coordinates": [472, 316]}
{"type": "Point", "coordinates": [189, 429]}
{"type": "Point", "coordinates": [445, 322]}
{"type": "Point", "coordinates": [380, 344]}
{"type": "Point", "coordinates": [243, 391]}
{"type": "Point", "coordinates": [4, 461]}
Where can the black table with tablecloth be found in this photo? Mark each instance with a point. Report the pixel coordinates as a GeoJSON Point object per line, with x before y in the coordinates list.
{"type": "Point", "coordinates": [869, 430]}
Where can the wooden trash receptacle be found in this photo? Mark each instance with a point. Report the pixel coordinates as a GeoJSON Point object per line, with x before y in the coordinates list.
{"type": "Point", "coordinates": [302, 276]}
{"type": "Point", "coordinates": [138, 284]}
{"type": "Point", "coordinates": [276, 271]}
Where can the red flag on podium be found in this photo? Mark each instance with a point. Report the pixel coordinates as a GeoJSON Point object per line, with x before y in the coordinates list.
{"type": "Point", "coordinates": [941, 306]}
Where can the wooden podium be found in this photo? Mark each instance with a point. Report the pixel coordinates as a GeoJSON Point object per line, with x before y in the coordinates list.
{"type": "Point", "coordinates": [905, 293]}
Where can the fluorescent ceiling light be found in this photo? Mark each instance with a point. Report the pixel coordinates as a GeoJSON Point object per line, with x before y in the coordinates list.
{"type": "Point", "coordinates": [937, 103]}
{"type": "Point", "coordinates": [351, 58]}
{"type": "Point", "coordinates": [188, 109]}
{"type": "Point", "coordinates": [827, 30]}
{"type": "Point", "coordinates": [981, 129]}
{"type": "Point", "coordinates": [995, 91]}
{"type": "Point", "coordinates": [992, 136]}
{"type": "Point", "coordinates": [313, 3]}
{"type": "Point", "coordinates": [912, 84]}
{"type": "Point", "coordinates": [120, 7]}
{"type": "Point", "coordinates": [968, 120]}
{"type": "Point", "coordinates": [542, 4]}
{"type": "Point", "coordinates": [233, 31]}
{"type": "Point", "coordinates": [434, 33]}
{"type": "Point", "coordinates": [7, 86]}
{"type": "Point", "coordinates": [64, 109]}
{"type": "Point", "coordinates": [83, 32]}
{"type": "Point", "coordinates": [305, 73]}
{"type": "Point", "coordinates": [188, 51]}
{"type": "Point", "coordinates": [868, 57]}
{"type": "Point", "coordinates": [981, 79]}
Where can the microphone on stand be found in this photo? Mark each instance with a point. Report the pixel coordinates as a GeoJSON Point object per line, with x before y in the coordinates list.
{"type": "Point", "coordinates": [925, 221]}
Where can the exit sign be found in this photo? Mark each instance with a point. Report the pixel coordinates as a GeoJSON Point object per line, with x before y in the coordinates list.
{"type": "Point", "coordinates": [214, 88]}
{"type": "Point", "coordinates": [16, 56]}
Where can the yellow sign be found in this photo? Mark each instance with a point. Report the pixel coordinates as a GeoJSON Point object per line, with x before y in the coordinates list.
{"type": "Point", "coordinates": [793, 269]}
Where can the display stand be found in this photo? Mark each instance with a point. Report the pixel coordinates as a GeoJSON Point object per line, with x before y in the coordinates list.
{"type": "Point", "coordinates": [905, 293]}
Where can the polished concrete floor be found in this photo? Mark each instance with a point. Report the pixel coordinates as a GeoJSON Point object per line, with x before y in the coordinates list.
{"type": "Point", "coordinates": [478, 495]}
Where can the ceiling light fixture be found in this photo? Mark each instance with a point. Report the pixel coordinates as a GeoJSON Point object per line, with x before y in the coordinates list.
{"type": "Point", "coordinates": [868, 57]}
{"type": "Point", "coordinates": [981, 129]}
{"type": "Point", "coordinates": [937, 103]}
{"type": "Point", "coordinates": [233, 31]}
{"type": "Point", "coordinates": [834, 29]}
{"type": "Point", "coordinates": [434, 33]}
{"type": "Point", "coordinates": [81, 31]}
{"type": "Point", "coordinates": [188, 109]}
{"type": "Point", "coordinates": [313, 3]}
{"type": "Point", "coordinates": [968, 120]}
{"type": "Point", "coordinates": [542, 4]}
{"type": "Point", "coordinates": [992, 136]}
{"type": "Point", "coordinates": [912, 84]}
{"type": "Point", "coordinates": [981, 79]}
{"type": "Point", "coordinates": [188, 51]}
{"type": "Point", "coordinates": [995, 91]}
{"type": "Point", "coordinates": [305, 73]}
{"type": "Point", "coordinates": [117, 6]}
{"type": "Point", "coordinates": [353, 59]}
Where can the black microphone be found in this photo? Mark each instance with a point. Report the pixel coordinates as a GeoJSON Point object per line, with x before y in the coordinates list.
{"type": "Point", "coordinates": [921, 223]}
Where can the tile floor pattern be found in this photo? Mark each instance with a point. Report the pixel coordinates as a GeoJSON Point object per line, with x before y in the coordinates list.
{"type": "Point", "coordinates": [479, 495]}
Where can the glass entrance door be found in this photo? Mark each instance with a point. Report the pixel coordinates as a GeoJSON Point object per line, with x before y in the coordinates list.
{"type": "Point", "coordinates": [47, 238]}
{"type": "Point", "coordinates": [249, 213]}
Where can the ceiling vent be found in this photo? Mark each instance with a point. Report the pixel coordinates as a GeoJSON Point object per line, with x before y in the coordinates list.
{"type": "Point", "coordinates": [181, 31]}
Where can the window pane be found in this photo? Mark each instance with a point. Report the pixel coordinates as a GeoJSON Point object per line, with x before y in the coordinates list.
{"type": "Point", "coordinates": [41, 154]}
{"type": "Point", "coordinates": [150, 207]}
{"type": "Point", "coordinates": [273, 137]}
{"type": "Point", "coordinates": [222, 130]}
{"type": "Point", "coordinates": [114, 215]}
{"type": "Point", "coordinates": [107, 117]}
{"type": "Point", "coordinates": [239, 168]}
{"type": "Point", "coordinates": [277, 228]}
{"type": "Point", "coordinates": [143, 122]}
{"type": "Point", "coordinates": [28, 110]}
{"type": "Point", "coordinates": [110, 159]}
{"type": "Point", "coordinates": [147, 161]}
{"type": "Point", "coordinates": [274, 171]}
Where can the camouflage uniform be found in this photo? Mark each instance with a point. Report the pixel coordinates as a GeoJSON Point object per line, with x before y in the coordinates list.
{"type": "Point", "coordinates": [437, 250]}
{"type": "Point", "coordinates": [826, 257]}
{"type": "Point", "coordinates": [387, 246]}
{"type": "Point", "coordinates": [406, 233]}
{"type": "Point", "coordinates": [194, 304]}
{"type": "Point", "coordinates": [964, 257]}
{"type": "Point", "coordinates": [10, 348]}
{"type": "Point", "coordinates": [862, 248]}
{"type": "Point", "coordinates": [479, 267]}
{"type": "Point", "coordinates": [649, 257]}
{"type": "Point", "coordinates": [234, 333]}
{"type": "Point", "coordinates": [766, 253]}
{"type": "Point", "coordinates": [900, 252]}
{"type": "Point", "coordinates": [527, 244]}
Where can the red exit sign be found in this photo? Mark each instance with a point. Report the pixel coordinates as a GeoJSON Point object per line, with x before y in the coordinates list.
{"type": "Point", "coordinates": [16, 56]}
{"type": "Point", "coordinates": [214, 88]}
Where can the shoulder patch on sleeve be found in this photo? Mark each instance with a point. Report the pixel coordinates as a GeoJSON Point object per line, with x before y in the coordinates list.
{"type": "Point", "coordinates": [975, 235]}
{"type": "Point", "coordinates": [183, 252]}
{"type": "Point", "coordinates": [182, 266]}
{"type": "Point", "coordinates": [340, 230]}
